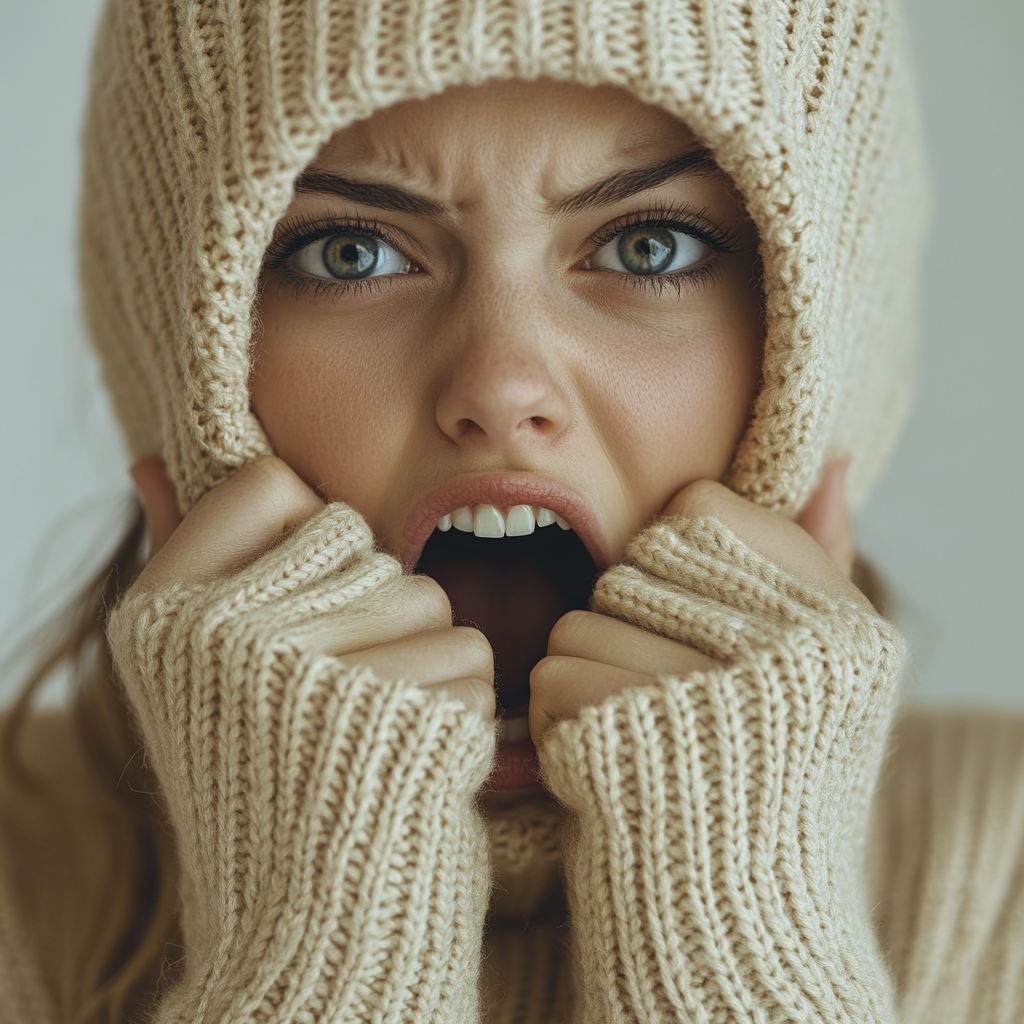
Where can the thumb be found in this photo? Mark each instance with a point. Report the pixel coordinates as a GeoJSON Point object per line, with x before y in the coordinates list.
{"type": "Point", "coordinates": [825, 516]}
{"type": "Point", "coordinates": [158, 499]}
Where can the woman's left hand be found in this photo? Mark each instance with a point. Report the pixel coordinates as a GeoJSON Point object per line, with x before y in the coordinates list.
{"type": "Point", "coordinates": [591, 656]}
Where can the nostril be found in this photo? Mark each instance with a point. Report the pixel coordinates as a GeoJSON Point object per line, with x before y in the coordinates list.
{"type": "Point", "coordinates": [467, 426]}
{"type": "Point", "coordinates": [541, 424]}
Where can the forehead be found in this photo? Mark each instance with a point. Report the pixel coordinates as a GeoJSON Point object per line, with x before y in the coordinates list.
{"type": "Point", "coordinates": [555, 135]}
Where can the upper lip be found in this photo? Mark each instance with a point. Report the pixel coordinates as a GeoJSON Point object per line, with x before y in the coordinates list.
{"type": "Point", "coordinates": [501, 489]}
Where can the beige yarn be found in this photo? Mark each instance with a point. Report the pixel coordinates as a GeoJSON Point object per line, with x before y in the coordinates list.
{"type": "Point", "coordinates": [677, 913]}
{"type": "Point", "coordinates": [334, 864]}
{"type": "Point", "coordinates": [714, 828]}
{"type": "Point", "coordinates": [202, 114]}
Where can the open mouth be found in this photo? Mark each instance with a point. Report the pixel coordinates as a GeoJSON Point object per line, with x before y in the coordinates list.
{"type": "Point", "coordinates": [512, 572]}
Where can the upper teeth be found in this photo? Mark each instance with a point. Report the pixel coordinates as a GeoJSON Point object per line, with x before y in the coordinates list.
{"type": "Point", "coordinates": [489, 521]}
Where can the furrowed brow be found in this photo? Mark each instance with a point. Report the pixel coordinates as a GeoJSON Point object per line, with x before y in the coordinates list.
{"type": "Point", "coordinates": [383, 197]}
{"type": "Point", "coordinates": [624, 184]}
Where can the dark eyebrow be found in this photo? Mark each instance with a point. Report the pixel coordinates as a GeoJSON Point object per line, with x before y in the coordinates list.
{"type": "Point", "coordinates": [383, 197]}
{"type": "Point", "coordinates": [624, 184]}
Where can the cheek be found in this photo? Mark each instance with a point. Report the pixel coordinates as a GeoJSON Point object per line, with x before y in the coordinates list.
{"type": "Point", "coordinates": [678, 403]}
{"type": "Point", "coordinates": [332, 412]}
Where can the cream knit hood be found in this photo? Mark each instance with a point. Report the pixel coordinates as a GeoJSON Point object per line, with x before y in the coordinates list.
{"type": "Point", "coordinates": [203, 112]}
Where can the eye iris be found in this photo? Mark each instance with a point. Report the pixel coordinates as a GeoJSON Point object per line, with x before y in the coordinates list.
{"type": "Point", "coordinates": [351, 256]}
{"type": "Point", "coordinates": [646, 250]}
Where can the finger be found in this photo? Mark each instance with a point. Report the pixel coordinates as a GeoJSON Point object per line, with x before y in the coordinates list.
{"type": "Point", "coordinates": [158, 499]}
{"type": "Point", "coordinates": [561, 687]}
{"type": "Point", "coordinates": [779, 539]}
{"type": "Point", "coordinates": [427, 658]}
{"type": "Point", "coordinates": [402, 607]}
{"type": "Point", "coordinates": [476, 694]}
{"type": "Point", "coordinates": [825, 516]}
{"type": "Point", "coordinates": [579, 634]}
{"type": "Point", "coordinates": [234, 523]}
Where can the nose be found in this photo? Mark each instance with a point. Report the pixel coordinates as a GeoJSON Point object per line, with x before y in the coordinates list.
{"type": "Point", "coordinates": [505, 385]}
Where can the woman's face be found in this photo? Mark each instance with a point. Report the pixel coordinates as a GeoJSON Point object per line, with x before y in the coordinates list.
{"type": "Point", "coordinates": [521, 294]}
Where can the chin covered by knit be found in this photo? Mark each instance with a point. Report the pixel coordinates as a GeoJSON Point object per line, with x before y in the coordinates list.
{"type": "Point", "coordinates": [719, 821]}
{"type": "Point", "coordinates": [334, 865]}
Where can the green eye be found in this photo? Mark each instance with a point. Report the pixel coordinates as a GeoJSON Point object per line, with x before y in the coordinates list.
{"type": "Point", "coordinates": [350, 257]}
{"type": "Point", "coordinates": [646, 250]}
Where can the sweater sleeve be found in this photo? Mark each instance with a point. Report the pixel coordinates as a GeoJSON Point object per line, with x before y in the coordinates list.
{"type": "Point", "coordinates": [719, 820]}
{"type": "Point", "coordinates": [334, 866]}
{"type": "Point", "coordinates": [947, 883]}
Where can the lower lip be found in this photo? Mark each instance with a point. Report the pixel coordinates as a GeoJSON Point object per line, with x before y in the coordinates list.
{"type": "Point", "coordinates": [516, 768]}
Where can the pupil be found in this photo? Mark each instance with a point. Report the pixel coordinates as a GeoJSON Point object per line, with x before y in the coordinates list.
{"type": "Point", "coordinates": [647, 250]}
{"type": "Point", "coordinates": [351, 256]}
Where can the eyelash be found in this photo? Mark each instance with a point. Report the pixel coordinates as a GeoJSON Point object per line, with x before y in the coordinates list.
{"type": "Point", "coordinates": [721, 241]}
{"type": "Point", "coordinates": [308, 230]}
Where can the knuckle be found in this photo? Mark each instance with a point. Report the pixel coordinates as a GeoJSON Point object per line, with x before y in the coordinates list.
{"type": "Point", "coordinates": [545, 676]}
{"type": "Point", "coordinates": [482, 695]}
{"type": "Point", "coordinates": [569, 631]}
{"type": "Point", "coordinates": [702, 498]}
{"type": "Point", "coordinates": [280, 488]}
{"type": "Point", "coordinates": [429, 599]}
{"type": "Point", "coordinates": [269, 472]}
{"type": "Point", "coordinates": [475, 643]}
{"type": "Point", "coordinates": [476, 694]}
{"type": "Point", "coordinates": [267, 494]}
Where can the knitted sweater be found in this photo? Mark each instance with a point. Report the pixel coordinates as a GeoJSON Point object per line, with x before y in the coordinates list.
{"type": "Point", "coordinates": [712, 831]}
{"type": "Point", "coordinates": [708, 856]}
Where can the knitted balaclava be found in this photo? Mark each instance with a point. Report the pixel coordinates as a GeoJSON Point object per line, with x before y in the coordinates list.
{"type": "Point", "coordinates": [203, 112]}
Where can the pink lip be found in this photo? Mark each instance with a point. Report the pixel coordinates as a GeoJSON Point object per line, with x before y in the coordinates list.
{"type": "Point", "coordinates": [503, 489]}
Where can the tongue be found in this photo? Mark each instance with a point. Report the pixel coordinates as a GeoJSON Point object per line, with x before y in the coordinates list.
{"type": "Point", "coordinates": [514, 590]}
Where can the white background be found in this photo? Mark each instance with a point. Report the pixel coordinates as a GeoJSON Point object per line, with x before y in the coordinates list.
{"type": "Point", "coordinates": [944, 523]}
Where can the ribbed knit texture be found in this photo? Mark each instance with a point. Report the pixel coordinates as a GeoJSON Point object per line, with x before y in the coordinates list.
{"type": "Point", "coordinates": [202, 115]}
{"type": "Point", "coordinates": [948, 863]}
{"type": "Point", "coordinates": [334, 866]}
{"type": "Point", "coordinates": [713, 835]}
{"type": "Point", "coordinates": [720, 820]}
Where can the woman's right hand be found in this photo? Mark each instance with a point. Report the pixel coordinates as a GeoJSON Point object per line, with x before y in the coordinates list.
{"type": "Point", "coordinates": [407, 635]}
